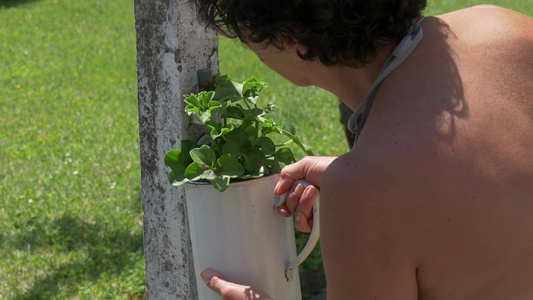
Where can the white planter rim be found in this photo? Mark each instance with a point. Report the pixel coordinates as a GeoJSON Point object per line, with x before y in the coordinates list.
{"type": "Point", "coordinates": [235, 183]}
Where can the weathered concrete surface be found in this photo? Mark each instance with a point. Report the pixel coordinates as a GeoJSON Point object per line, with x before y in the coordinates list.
{"type": "Point", "coordinates": [171, 47]}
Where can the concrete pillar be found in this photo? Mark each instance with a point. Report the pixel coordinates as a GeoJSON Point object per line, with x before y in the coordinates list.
{"type": "Point", "coordinates": [171, 47]}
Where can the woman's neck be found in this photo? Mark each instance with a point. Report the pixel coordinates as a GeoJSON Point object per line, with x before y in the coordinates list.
{"type": "Point", "coordinates": [350, 84]}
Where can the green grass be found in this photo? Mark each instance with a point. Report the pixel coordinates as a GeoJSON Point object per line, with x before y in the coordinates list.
{"type": "Point", "coordinates": [70, 211]}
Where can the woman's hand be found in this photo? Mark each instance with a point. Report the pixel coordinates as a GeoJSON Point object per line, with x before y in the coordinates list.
{"type": "Point", "coordinates": [300, 200]}
{"type": "Point", "coordinates": [229, 290]}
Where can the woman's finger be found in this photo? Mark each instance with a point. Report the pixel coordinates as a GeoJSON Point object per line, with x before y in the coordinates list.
{"type": "Point", "coordinates": [290, 173]}
{"type": "Point", "coordinates": [284, 184]}
{"type": "Point", "coordinates": [293, 199]}
{"type": "Point", "coordinates": [304, 211]}
{"type": "Point", "coordinates": [309, 168]}
{"type": "Point", "coordinates": [214, 280]}
{"type": "Point", "coordinates": [229, 290]}
{"type": "Point", "coordinates": [284, 211]}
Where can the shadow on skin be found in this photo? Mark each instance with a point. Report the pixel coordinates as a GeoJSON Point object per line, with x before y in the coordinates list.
{"type": "Point", "coordinates": [452, 104]}
{"type": "Point", "coordinates": [430, 113]}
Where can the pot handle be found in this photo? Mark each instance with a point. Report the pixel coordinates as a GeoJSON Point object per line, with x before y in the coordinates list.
{"type": "Point", "coordinates": [315, 232]}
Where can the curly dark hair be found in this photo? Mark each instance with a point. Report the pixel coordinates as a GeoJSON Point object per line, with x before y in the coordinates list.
{"type": "Point", "coordinates": [345, 32]}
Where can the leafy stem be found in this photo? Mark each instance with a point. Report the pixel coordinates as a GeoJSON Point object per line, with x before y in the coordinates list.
{"type": "Point", "coordinates": [232, 150]}
{"type": "Point", "coordinates": [285, 144]}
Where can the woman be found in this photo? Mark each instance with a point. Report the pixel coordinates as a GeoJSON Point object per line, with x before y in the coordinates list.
{"type": "Point", "coordinates": [435, 198]}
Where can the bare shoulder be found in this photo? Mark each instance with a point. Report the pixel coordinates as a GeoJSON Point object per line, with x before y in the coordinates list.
{"type": "Point", "coordinates": [494, 58]}
{"type": "Point", "coordinates": [364, 240]}
{"type": "Point", "coordinates": [492, 25]}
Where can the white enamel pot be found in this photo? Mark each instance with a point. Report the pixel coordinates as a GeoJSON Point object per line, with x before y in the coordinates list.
{"type": "Point", "coordinates": [239, 234]}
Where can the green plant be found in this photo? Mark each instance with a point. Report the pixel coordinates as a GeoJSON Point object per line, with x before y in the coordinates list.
{"type": "Point", "coordinates": [238, 142]}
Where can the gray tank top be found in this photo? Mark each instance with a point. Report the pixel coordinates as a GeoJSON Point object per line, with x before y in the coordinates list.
{"type": "Point", "coordinates": [400, 53]}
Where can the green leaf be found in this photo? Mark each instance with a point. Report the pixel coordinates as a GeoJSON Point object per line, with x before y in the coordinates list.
{"type": "Point", "coordinates": [216, 129]}
{"type": "Point", "coordinates": [251, 96]}
{"type": "Point", "coordinates": [270, 107]}
{"type": "Point", "coordinates": [193, 102]}
{"type": "Point", "coordinates": [201, 104]}
{"type": "Point", "coordinates": [303, 146]}
{"type": "Point", "coordinates": [275, 166]}
{"type": "Point", "coordinates": [194, 171]}
{"type": "Point", "coordinates": [227, 93]}
{"type": "Point", "coordinates": [255, 114]}
{"type": "Point", "coordinates": [172, 157]}
{"type": "Point", "coordinates": [220, 183]}
{"type": "Point", "coordinates": [253, 160]}
{"type": "Point", "coordinates": [290, 129]}
{"type": "Point", "coordinates": [226, 90]}
{"type": "Point", "coordinates": [204, 116]}
{"type": "Point", "coordinates": [228, 165]}
{"type": "Point", "coordinates": [250, 130]}
{"type": "Point", "coordinates": [214, 105]}
{"type": "Point", "coordinates": [199, 171]}
{"type": "Point", "coordinates": [227, 129]}
{"type": "Point", "coordinates": [277, 128]}
{"type": "Point", "coordinates": [237, 142]}
{"type": "Point", "coordinates": [222, 110]}
{"type": "Point", "coordinates": [285, 155]}
{"type": "Point", "coordinates": [265, 130]}
{"type": "Point", "coordinates": [177, 180]}
{"type": "Point", "coordinates": [219, 79]}
{"type": "Point", "coordinates": [204, 155]}
{"type": "Point", "coordinates": [178, 161]}
{"type": "Point", "coordinates": [297, 141]}
{"type": "Point", "coordinates": [205, 99]}
{"type": "Point", "coordinates": [257, 173]}
{"type": "Point", "coordinates": [236, 112]}
{"type": "Point", "coordinates": [205, 140]}
{"type": "Point", "coordinates": [191, 110]}
{"type": "Point", "coordinates": [273, 126]}
{"type": "Point", "coordinates": [251, 89]}
{"type": "Point", "coordinates": [253, 84]}
{"type": "Point", "coordinates": [267, 145]}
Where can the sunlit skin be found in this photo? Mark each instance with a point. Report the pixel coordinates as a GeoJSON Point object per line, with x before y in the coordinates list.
{"type": "Point", "coordinates": [343, 81]}
{"type": "Point", "coordinates": [435, 200]}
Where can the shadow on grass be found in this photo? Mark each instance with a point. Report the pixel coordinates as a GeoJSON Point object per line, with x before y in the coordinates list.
{"type": "Point", "coordinates": [12, 3]}
{"type": "Point", "coordinates": [105, 252]}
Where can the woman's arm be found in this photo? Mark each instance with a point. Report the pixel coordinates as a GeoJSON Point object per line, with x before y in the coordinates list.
{"type": "Point", "coordinates": [368, 247]}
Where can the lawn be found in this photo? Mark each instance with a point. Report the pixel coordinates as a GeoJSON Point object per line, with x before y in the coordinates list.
{"type": "Point", "coordinates": [70, 210]}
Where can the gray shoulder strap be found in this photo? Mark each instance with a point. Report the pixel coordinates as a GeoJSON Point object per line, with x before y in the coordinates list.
{"type": "Point", "coordinates": [400, 53]}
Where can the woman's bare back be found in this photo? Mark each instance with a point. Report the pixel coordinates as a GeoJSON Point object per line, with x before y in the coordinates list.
{"type": "Point", "coordinates": [448, 151]}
